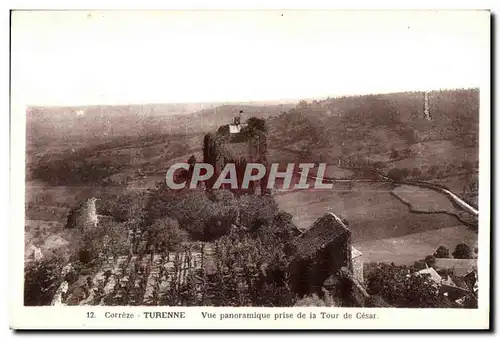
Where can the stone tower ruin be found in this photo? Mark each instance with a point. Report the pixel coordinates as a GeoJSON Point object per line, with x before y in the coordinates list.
{"type": "Point", "coordinates": [237, 143]}
{"type": "Point", "coordinates": [83, 216]}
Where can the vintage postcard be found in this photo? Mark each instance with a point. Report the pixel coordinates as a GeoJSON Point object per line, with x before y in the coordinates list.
{"type": "Point", "coordinates": [278, 169]}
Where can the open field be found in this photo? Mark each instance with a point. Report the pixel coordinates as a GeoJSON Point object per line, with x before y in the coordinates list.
{"type": "Point", "coordinates": [371, 210]}
{"type": "Point", "coordinates": [407, 249]}
{"type": "Point", "coordinates": [458, 183]}
{"type": "Point", "coordinates": [420, 199]}
{"type": "Point", "coordinates": [383, 228]}
{"type": "Point", "coordinates": [438, 152]}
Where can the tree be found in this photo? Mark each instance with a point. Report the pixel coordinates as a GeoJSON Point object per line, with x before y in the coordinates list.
{"type": "Point", "coordinates": [256, 211]}
{"type": "Point", "coordinates": [467, 166]}
{"type": "Point", "coordinates": [395, 174]}
{"type": "Point", "coordinates": [442, 252]}
{"type": "Point", "coordinates": [110, 240]}
{"type": "Point", "coordinates": [223, 130]}
{"type": "Point", "coordinates": [378, 165]}
{"type": "Point", "coordinates": [405, 172]}
{"type": "Point", "coordinates": [191, 160]}
{"type": "Point", "coordinates": [315, 300]}
{"type": "Point", "coordinates": [433, 170]}
{"type": "Point", "coordinates": [250, 272]}
{"type": "Point", "coordinates": [41, 280]}
{"type": "Point", "coordinates": [165, 233]}
{"type": "Point", "coordinates": [121, 207]}
{"type": "Point", "coordinates": [256, 124]}
{"type": "Point", "coordinates": [394, 154]}
{"type": "Point", "coordinates": [401, 287]}
{"type": "Point", "coordinates": [415, 173]}
{"type": "Point", "coordinates": [376, 301]}
{"type": "Point", "coordinates": [430, 260]}
{"type": "Point", "coordinates": [462, 251]}
{"type": "Point", "coordinates": [302, 105]}
{"type": "Point", "coordinates": [410, 136]}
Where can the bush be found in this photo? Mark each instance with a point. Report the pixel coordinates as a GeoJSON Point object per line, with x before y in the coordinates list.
{"type": "Point", "coordinates": [462, 251]}
{"type": "Point", "coordinates": [467, 166]}
{"type": "Point", "coordinates": [376, 301]}
{"type": "Point", "coordinates": [223, 130]}
{"type": "Point", "coordinates": [394, 154]}
{"type": "Point", "coordinates": [433, 170]}
{"type": "Point", "coordinates": [105, 241]}
{"type": "Point", "coordinates": [410, 136]}
{"type": "Point", "coordinates": [165, 234]}
{"type": "Point", "coordinates": [314, 300]}
{"type": "Point", "coordinates": [399, 286]}
{"type": "Point", "coordinates": [405, 172]}
{"type": "Point", "coordinates": [430, 260]}
{"type": "Point", "coordinates": [41, 280]}
{"type": "Point", "coordinates": [262, 268]}
{"type": "Point", "coordinates": [416, 173]}
{"type": "Point", "coordinates": [395, 174]}
{"type": "Point", "coordinates": [121, 207]}
{"type": "Point", "coordinates": [442, 252]}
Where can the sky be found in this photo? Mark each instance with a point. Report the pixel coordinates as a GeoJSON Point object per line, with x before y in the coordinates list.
{"type": "Point", "coordinates": [89, 58]}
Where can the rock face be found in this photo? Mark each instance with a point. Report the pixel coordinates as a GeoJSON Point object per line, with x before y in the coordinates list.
{"type": "Point", "coordinates": [84, 215]}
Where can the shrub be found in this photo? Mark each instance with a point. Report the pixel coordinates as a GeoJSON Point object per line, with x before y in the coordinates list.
{"type": "Point", "coordinates": [399, 286]}
{"type": "Point", "coordinates": [430, 260]}
{"type": "Point", "coordinates": [242, 259]}
{"type": "Point", "coordinates": [395, 174]}
{"type": "Point", "coordinates": [433, 170]}
{"type": "Point", "coordinates": [462, 251]}
{"type": "Point", "coordinates": [166, 234]}
{"type": "Point", "coordinates": [105, 241]}
{"type": "Point", "coordinates": [467, 166]}
{"type": "Point", "coordinates": [394, 154]}
{"type": "Point", "coordinates": [442, 252]}
{"type": "Point", "coordinates": [41, 280]}
{"type": "Point", "coordinates": [315, 300]}
{"type": "Point", "coordinates": [121, 207]}
{"type": "Point", "coordinates": [416, 173]}
{"type": "Point", "coordinates": [405, 172]}
{"type": "Point", "coordinates": [410, 136]}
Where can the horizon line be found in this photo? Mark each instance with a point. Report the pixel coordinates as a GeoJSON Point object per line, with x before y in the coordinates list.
{"type": "Point", "coordinates": [280, 101]}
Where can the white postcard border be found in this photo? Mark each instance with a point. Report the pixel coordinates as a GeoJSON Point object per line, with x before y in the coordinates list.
{"type": "Point", "coordinates": [74, 317]}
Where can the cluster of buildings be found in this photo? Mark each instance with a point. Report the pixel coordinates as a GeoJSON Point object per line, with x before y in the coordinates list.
{"type": "Point", "coordinates": [456, 278]}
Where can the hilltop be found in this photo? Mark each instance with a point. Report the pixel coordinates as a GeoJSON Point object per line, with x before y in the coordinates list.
{"type": "Point", "coordinates": [371, 126]}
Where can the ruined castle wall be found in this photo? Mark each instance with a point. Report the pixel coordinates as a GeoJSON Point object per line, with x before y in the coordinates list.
{"type": "Point", "coordinates": [221, 149]}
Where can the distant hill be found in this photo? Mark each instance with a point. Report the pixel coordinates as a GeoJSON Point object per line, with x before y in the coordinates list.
{"type": "Point", "coordinates": [97, 124]}
{"type": "Point", "coordinates": [89, 144]}
{"type": "Point", "coordinates": [371, 124]}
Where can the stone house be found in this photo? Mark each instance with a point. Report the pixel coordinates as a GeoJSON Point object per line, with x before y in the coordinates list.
{"type": "Point", "coordinates": [321, 252]}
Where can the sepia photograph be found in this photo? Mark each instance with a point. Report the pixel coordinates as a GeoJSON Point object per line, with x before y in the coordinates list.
{"type": "Point", "coordinates": [269, 159]}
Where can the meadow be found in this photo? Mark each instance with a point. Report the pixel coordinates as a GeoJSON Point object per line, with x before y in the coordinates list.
{"type": "Point", "coordinates": [382, 226]}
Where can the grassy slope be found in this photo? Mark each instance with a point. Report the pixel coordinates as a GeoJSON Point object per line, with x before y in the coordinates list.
{"type": "Point", "coordinates": [372, 212]}
{"type": "Point", "coordinates": [370, 126]}
{"type": "Point", "coordinates": [409, 248]}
